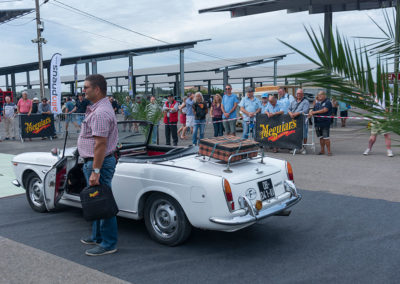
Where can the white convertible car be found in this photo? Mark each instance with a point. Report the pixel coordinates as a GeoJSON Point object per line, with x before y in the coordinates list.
{"type": "Point", "coordinates": [171, 188]}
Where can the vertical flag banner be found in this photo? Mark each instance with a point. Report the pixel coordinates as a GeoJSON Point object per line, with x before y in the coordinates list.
{"type": "Point", "coordinates": [76, 79]}
{"type": "Point", "coordinates": [55, 83]}
{"type": "Point", "coordinates": [130, 77]}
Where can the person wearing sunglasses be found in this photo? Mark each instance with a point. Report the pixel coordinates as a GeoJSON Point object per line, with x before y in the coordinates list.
{"type": "Point", "coordinates": [229, 105]}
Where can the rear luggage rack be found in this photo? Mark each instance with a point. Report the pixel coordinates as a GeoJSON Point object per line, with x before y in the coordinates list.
{"type": "Point", "coordinates": [204, 158]}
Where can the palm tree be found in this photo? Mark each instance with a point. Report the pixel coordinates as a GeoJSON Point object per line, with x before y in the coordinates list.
{"type": "Point", "coordinates": [348, 70]}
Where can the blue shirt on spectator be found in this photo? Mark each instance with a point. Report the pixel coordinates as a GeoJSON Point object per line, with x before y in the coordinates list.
{"type": "Point", "coordinates": [289, 97]}
{"type": "Point", "coordinates": [228, 101]}
{"type": "Point", "coordinates": [69, 105]}
{"type": "Point", "coordinates": [273, 109]}
{"type": "Point", "coordinates": [321, 121]}
{"type": "Point", "coordinates": [285, 103]}
{"type": "Point", "coordinates": [264, 107]}
{"type": "Point", "coordinates": [250, 106]}
{"type": "Point", "coordinates": [189, 107]}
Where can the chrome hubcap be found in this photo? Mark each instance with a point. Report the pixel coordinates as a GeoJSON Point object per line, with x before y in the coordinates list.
{"type": "Point", "coordinates": [163, 218]}
{"type": "Point", "coordinates": [35, 192]}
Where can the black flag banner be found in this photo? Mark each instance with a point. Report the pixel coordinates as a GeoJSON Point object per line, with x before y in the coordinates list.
{"type": "Point", "coordinates": [37, 125]}
{"type": "Point", "coordinates": [280, 131]}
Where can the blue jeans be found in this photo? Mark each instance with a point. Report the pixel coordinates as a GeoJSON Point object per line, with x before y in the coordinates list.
{"type": "Point", "coordinates": [154, 134]}
{"type": "Point", "coordinates": [198, 124]}
{"type": "Point", "coordinates": [80, 118]}
{"type": "Point", "coordinates": [104, 230]}
{"type": "Point", "coordinates": [247, 128]}
{"type": "Point", "coordinates": [218, 128]}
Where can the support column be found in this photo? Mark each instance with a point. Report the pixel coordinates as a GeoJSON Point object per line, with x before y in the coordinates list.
{"type": "Point", "coordinates": [327, 36]}
{"type": "Point", "coordinates": [134, 86]}
{"type": "Point", "coordinates": [251, 82]}
{"type": "Point", "coordinates": [48, 79]}
{"type": "Point", "coordinates": [130, 77]}
{"type": "Point", "coordinates": [244, 86]}
{"type": "Point", "coordinates": [116, 84]}
{"type": "Point", "coordinates": [146, 85]}
{"type": "Point", "coordinates": [225, 77]}
{"type": "Point", "coordinates": [7, 84]}
{"type": "Point", "coordinates": [176, 85]}
{"type": "Point", "coordinates": [94, 67]}
{"type": "Point", "coordinates": [209, 87]}
{"type": "Point", "coordinates": [13, 87]}
{"type": "Point", "coordinates": [275, 72]}
{"type": "Point", "coordinates": [71, 88]}
{"type": "Point", "coordinates": [87, 69]}
{"type": "Point", "coordinates": [28, 81]}
{"type": "Point", "coordinates": [182, 72]}
{"type": "Point", "coordinates": [153, 91]}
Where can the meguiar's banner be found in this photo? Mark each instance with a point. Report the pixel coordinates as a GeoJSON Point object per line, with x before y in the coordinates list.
{"type": "Point", "coordinates": [55, 84]}
{"type": "Point", "coordinates": [37, 125]}
{"type": "Point", "coordinates": [280, 131]}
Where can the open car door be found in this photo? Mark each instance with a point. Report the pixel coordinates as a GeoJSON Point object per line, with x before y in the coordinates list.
{"type": "Point", "coordinates": [54, 183]}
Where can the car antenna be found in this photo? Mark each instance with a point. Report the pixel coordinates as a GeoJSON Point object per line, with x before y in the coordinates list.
{"type": "Point", "coordinates": [65, 143]}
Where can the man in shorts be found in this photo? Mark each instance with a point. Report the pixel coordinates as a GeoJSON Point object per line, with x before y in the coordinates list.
{"type": "Point", "coordinates": [228, 106]}
{"type": "Point", "coordinates": [323, 107]}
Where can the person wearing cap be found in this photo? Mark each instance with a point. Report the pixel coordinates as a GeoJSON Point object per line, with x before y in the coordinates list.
{"type": "Point", "coordinates": [170, 110]}
{"type": "Point", "coordinates": [264, 102]}
{"type": "Point", "coordinates": [44, 107]}
{"type": "Point", "coordinates": [249, 106]}
{"type": "Point", "coordinates": [35, 106]}
{"type": "Point", "coordinates": [273, 109]}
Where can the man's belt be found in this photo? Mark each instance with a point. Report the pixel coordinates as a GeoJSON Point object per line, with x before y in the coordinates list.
{"type": "Point", "coordinates": [91, 158]}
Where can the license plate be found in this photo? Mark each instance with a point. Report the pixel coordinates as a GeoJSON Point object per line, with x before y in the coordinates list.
{"type": "Point", "coordinates": [266, 189]}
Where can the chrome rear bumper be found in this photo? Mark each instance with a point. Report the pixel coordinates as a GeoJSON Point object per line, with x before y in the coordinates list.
{"type": "Point", "coordinates": [252, 215]}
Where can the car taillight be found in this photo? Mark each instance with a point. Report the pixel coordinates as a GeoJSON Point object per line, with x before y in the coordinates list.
{"type": "Point", "coordinates": [228, 195]}
{"type": "Point", "coordinates": [289, 171]}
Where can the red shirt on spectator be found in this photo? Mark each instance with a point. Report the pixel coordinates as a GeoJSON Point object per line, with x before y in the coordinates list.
{"type": "Point", "coordinates": [24, 105]}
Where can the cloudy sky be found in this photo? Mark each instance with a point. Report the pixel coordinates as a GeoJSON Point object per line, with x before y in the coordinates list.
{"type": "Point", "coordinates": [71, 33]}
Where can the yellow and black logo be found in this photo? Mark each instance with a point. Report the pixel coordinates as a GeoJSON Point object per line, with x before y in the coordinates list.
{"type": "Point", "coordinates": [275, 133]}
{"type": "Point", "coordinates": [94, 194]}
{"type": "Point", "coordinates": [37, 127]}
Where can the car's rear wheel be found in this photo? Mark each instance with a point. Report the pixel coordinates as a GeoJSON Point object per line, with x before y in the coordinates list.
{"type": "Point", "coordinates": [165, 220]}
{"type": "Point", "coordinates": [34, 193]}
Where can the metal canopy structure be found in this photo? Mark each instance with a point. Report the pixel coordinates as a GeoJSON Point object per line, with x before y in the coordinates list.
{"type": "Point", "coordinates": [9, 15]}
{"type": "Point", "coordinates": [94, 58]}
{"type": "Point", "coordinates": [312, 6]}
{"type": "Point", "coordinates": [327, 7]}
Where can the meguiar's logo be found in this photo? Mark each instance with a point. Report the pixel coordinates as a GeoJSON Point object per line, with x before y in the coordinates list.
{"type": "Point", "coordinates": [276, 132]}
{"type": "Point", "coordinates": [94, 194]}
{"type": "Point", "coordinates": [37, 127]}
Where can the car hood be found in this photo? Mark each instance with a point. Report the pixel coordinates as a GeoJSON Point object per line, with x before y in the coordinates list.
{"type": "Point", "coordinates": [40, 158]}
{"type": "Point", "coordinates": [241, 171]}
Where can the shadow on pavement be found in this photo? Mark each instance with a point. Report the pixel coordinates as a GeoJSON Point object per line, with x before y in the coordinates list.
{"type": "Point", "coordinates": [328, 238]}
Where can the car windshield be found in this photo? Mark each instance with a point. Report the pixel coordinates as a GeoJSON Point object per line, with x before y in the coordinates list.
{"type": "Point", "coordinates": [133, 132]}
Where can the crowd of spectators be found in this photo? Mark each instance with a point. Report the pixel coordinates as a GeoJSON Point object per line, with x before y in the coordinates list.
{"type": "Point", "coordinates": [192, 115]}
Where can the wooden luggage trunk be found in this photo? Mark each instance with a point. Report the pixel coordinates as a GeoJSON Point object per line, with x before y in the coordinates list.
{"type": "Point", "coordinates": [223, 147]}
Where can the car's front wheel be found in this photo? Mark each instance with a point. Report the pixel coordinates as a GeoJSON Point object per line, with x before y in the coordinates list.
{"type": "Point", "coordinates": [165, 220]}
{"type": "Point", "coordinates": [34, 193]}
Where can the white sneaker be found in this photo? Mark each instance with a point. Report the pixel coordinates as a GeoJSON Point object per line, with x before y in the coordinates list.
{"type": "Point", "coordinates": [366, 152]}
{"type": "Point", "coordinates": [389, 153]}
{"type": "Point", "coordinates": [304, 151]}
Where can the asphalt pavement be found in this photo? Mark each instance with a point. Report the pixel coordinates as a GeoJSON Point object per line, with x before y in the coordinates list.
{"type": "Point", "coordinates": [344, 230]}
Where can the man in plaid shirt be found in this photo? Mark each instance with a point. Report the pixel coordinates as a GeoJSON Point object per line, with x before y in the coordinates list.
{"type": "Point", "coordinates": [96, 144]}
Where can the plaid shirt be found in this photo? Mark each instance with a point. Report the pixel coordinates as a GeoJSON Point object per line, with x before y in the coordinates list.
{"type": "Point", "coordinates": [99, 121]}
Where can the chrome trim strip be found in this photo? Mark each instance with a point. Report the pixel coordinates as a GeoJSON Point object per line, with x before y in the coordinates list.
{"type": "Point", "coordinates": [128, 211]}
{"type": "Point", "coordinates": [16, 183]}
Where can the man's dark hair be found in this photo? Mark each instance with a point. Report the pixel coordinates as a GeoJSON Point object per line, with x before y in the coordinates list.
{"type": "Point", "coordinates": [97, 80]}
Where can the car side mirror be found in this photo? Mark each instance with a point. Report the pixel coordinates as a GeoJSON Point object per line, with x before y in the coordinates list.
{"type": "Point", "coordinates": [55, 152]}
